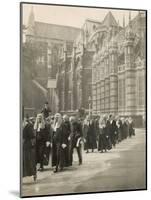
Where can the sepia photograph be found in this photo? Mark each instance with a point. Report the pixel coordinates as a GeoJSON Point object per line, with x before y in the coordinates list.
{"type": "Point", "coordinates": [82, 99]}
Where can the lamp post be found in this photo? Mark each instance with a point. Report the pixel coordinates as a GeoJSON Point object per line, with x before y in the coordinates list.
{"type": "Point", "coordinates": [49, 63]}
{"type": "Point", "coordinates": [89, 99]}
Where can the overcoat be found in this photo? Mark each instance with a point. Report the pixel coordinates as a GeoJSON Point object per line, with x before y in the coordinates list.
{"type": "Point", "coordinates": [29, 151]}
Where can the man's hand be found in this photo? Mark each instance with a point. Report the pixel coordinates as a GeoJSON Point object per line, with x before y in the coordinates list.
{"type": "Point", "coordinates": [63, 146]}
{"type": "Point", "coordinates": [84, 140]}
{"type": "Point", "coordinates": [47, 144]}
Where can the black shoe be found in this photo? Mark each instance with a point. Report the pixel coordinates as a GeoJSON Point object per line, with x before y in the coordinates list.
{"type": "Point", "coordinates": [35, 178]}
{"type": "Point", "coordinates": [61, 169]}
{"type": "Point", "coordinates": [80, 163]}
{"type": "Point", "coordinates": [41, 169]}
{"type": "Point", "coordinates": [55, 170]}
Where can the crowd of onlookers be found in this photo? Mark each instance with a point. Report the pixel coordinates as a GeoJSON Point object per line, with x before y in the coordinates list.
{"type": "Point", "coordinates": [56, 136]}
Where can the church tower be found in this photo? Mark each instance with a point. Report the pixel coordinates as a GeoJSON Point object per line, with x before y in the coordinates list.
{"type": "Point", "coordinates": [31, 25]}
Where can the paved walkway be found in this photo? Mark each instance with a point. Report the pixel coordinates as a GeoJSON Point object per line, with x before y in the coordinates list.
{"type": "Point", "coordinates": [119, 169]}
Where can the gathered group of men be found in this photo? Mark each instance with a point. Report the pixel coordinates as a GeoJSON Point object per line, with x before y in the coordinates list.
{"type": "Point", "coordinates": [56, 136]}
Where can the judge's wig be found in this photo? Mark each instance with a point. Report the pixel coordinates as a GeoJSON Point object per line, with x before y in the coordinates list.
{"type": "Point", "coordinates": [65, 117]}
{"type": "Point", "coordinates": [57, 120]}
{"type": "Point", "coordinates": [37, 122]}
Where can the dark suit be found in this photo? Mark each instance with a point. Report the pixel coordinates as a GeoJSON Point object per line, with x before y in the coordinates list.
{"type": "Point", "coordinates": [46, 112]}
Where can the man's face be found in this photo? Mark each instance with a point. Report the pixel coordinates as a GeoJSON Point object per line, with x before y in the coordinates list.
{"type": "Point", "coordinates": [65, 119]}
{"type": "Point", "coordinates": [72, 121]}
{"type": "Point", "coordinates": [47, 121]}
{"type": "Point", "coordinates": [88, 118]}
{"type": "Point", "coordinates": [46, 106]}
{"type": "Point", "coordinates": [57, 119]}
{"type": "Point", "coordinates": [39, 119]}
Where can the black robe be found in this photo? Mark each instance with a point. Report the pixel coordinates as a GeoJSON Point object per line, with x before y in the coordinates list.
{"type": "Point", "coordinates": [47, 149]}
{"type": "Point", "coordinates": [125, 130]}
{"type": "Point", "coordinates": [90, 136]}
{"type": "Point", "coordinates": [103, 143]}
{"type": "Point", "coordinates": [41, 138]}
{"type": "Point", "coordinates": [131, 129]}
{"type": "Point", "coordinates": [66, 130]}
{"type": "Point", "coordinates": [60, 155]}
{"type": "Point", "coordinates": [108, 135]}
{"type": "Point", "coordinates": [29, 151]}
{"type": "Point", "coordinates": [119, 130]}
{"type": "Point", "coordinates": [112, 131]}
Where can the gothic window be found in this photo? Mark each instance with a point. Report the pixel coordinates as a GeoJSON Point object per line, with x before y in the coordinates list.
{"type": "Point", "coordinates": [62, 100]}
{"type": "Point", "coordinates": [41, 59]}
{"type": "Point", "coordinates": [69, 100]}
{"type": "Point", "coordinates": [141, 90]}
{"type": "Point", "coordinates": [121, 92]}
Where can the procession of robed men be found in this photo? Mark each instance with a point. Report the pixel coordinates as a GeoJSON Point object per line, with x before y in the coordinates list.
{"type": "Point", "coordinates": [51, 139]}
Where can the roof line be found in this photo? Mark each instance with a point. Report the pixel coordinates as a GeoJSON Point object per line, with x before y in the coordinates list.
{"type": "Point", "coordinates": [58, 25]}
{"type": "Point", "coordinates": [51, 38]}
{"type": "Point", "coordinates": [93, 20]}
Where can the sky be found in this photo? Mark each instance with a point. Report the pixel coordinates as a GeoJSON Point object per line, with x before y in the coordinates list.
{"type": "Point", "coordinates": [72, 16]}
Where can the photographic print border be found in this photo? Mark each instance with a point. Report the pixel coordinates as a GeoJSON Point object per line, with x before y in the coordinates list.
{"type": "Point", "coordinates": [20, 36]}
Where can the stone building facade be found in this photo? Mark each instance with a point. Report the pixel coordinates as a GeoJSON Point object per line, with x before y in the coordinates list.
{"type": "Point", "coordinates": [119, 69]}
{"type": "Point", "coordinates": [108, 66]}
{"type": "Point", "coordinates": [100, 67]}
{"type": "Point", "coordinates": [46, 40]}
